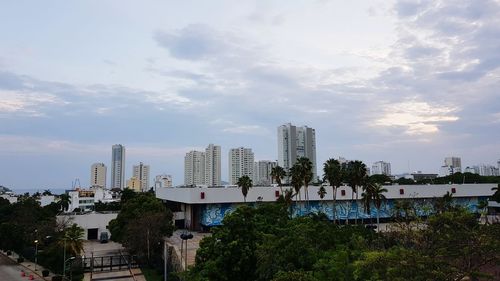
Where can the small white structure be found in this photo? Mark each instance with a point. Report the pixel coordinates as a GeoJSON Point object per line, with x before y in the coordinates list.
{"type": "Point", "coordinates": [93, 223]}
{"type": "Point", "coordinates": [86, 199]}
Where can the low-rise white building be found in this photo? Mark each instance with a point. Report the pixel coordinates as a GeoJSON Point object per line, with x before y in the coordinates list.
{"type": "Point", "coordinates": [86, 199]}
{"type": "Point", "coordinates": [93, 223]}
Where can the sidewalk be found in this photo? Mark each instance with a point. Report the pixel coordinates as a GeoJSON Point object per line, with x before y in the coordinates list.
{"type": "Point", "coordinates": [29, 267]}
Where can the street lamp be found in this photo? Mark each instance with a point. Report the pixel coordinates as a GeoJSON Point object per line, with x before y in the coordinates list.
{"type": "Point", "coordinates": [36, 252]}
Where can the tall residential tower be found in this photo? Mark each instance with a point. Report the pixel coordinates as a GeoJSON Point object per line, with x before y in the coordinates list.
{"type": "Point", "coordinates": [98, 175]}
{"type": "Point", "coordinates": [296, 142]}
{"type": "Point", "coordinates": [241, 161]}
{"type": "Point", "coordinates": [194, 168]}
{"type": "Point", "coordinates": [118, 166]}
{"type": "Point", "coordinates": [141, 172]}
{"type": "Point", "coordinates": [212, 165]}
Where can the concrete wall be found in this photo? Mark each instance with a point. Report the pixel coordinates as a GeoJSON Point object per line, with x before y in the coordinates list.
{"type": "Point", "coordinates": [89, 221]}
{"type": "Point", "coordinates": [268, 194]}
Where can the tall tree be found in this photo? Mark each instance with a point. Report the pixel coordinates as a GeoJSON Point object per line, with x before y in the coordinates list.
{"type": "Point", "coordinates": [296, 181]}
{"type": "Point", "coordinates": [306, 174]}
{"type": "Point", "coordinates": [73, 239]}
{"type": "Point", "coordinates": [366, 199]}
{"type": "Point", "coordinates": [64, 201]}
{"type": "Point", "coordinates": [333, 172]}
{"type": "Point", "coordinates": [378, 197]}
{"type": "Point", "coordinates": [356, 177]}
{"type": "Point", "coordinates": [277, 174]}
{"type": "Point", "coordinates": [245, 183]}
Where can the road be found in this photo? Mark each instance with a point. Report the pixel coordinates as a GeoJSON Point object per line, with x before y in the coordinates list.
{"type": "Point", "coordinates": [10, 271]}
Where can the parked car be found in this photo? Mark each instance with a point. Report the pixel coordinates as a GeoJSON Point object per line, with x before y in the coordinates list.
{"type": "Point", "coordinates": [104, 237]}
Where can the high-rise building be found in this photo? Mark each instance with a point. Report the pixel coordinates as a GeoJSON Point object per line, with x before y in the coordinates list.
{"type": "Point", "coordinates": [381, 168]}
{"type": "Point", "coordinates": [194, 168]}
{"type": "Point", "coordinates": [163, 180]}
{"type": "Point", "coordinates": [212, 165]}
{"type": "Point", "coordinates": [134, 184]}
{"type": "Point", "coordinates": [262, 172]}
{"type": "Point", "coordinates": [295, 142]}
{"type": "Point", "coordinates": [455, 164]}
{"type": "Point", "coordinates": [141, 172]}
{"type": "Point", "coordinates": [240, 164]}
{"type": "Point", "coordinates": [98, 175]}
{"type": "Point", "coordinates": [488, 170]}
{"type": "Point", "coordinates": [118, 166]}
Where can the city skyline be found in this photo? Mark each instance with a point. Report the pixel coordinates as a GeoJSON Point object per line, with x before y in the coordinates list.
{"type": "Point", "coordinates": [409, 83]}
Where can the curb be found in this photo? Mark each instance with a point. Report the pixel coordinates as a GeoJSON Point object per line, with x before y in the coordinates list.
{"type": "Point", "coordinates": [26, 267]}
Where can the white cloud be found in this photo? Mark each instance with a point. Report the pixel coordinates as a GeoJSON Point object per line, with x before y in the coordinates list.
{"type": "Point", "coordinates": [416, 117]}
{"type": "Point", "coordinates": [26, 103]}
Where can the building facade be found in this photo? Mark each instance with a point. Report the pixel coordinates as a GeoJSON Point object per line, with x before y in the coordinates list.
{"type": "Point", "coordinates": [262, 172]}
{"type": "Point", "coordinates": [98, 173]}
{"type": "Point", "coordinates": [141, 172]}
{"type": "Point", "coordinates": [206, 207]}
{"type": "Point", "coordinates": [241, 162]}
{"type": "Point", "coordinates": [213, 165]}
{"type": "Point", "coordinates": [134, 184]}
{"type": "Point", "coordinates": [118, 166]}
{"type": "Point", "coordinates": [163, 180]}
{"type": "Point", "coordinates": [455, 163]}
{"type": "Point", "coordinates": [295, 142]}
{"type": "Point", "coordinates": [381, 168]}
{"type": "Point", "coordinates": [194, 168]}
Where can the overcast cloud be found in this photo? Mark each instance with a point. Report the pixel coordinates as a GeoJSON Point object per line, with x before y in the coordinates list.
{"type": "Point", "coordinates": [409, 82]}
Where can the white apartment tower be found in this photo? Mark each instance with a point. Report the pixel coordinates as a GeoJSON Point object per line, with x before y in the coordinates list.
{"type": "Point", "coordinates": [194, 168]}
{"type": "Point", "coordinates": [98, 175]}
{"type": "Point", "coordinates": [241, 162]}
{"type": "Point", "coordinates": [295, 142]}
{"type": "Point", "coordinates": [212, 165]}
{"type": "Point", "coordinates": [262, 172]}
{"type": "Point", "coordinates": [141, 172]}
{"type": "Point", "coordinates": [381, 168]}
{"type": "Point", "coordinates": [454, 164]}
{"type": "Point", "coordinates": [118, 166]}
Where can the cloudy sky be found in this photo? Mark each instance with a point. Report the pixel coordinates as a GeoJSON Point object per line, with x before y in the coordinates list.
{"type": "Point", "coordinates": [409, 82]}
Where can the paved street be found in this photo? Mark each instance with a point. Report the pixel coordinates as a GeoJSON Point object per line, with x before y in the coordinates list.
{"type": "Point", "coordinates": [10, 271]}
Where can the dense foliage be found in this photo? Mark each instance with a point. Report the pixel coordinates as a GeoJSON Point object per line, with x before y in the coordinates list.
{"type": "Point", "coordinates": [264, 243]}
{"type": "Point", "coordinates": [141, 225]}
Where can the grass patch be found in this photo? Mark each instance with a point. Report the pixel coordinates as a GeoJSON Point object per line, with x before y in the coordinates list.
{"type": "Point", "coordinates": [151, 274]}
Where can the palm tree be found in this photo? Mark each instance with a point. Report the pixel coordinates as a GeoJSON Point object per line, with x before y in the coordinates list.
{"type": "Point", "coordinates": [334, 174]}
{"type": "Point", "coordinates": [245, 183]}
{"type": "Point", "coordinates": [278, 173]}
{"type": "Point", "coordinates": [65, 201]}
{"type": "Point", "coordinates": [378, 197]}
{"type": "Point", "coordinates": [496, 195]}
{"type": "Point", "coordinates": [356, 176]}
{"type": "Point", "coordinates": [306, 174]}
{"type": "Point", "coordinates": [296, 181]}
{"type": "Point", "coordinates": [482, 206]}
{"type": "Point", "coordinates": [444, 203]}
{"type": "Point", "coordinates": [366, 199]}
{"type": "Point", "coordinates": [73, 239]}
{"type": "Point", "coordinates": [47, 192]}
{"type": "Point", "coordinates": [322, 192]}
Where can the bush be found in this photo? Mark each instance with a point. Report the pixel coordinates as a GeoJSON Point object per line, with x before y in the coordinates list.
{"type": "Point", "coordinates": [9, 253]}
{"type": "Point", "coordinates": [45, 273]}
{"type": "Point", "coordinates": [57, 278]}
{"type": "Point", "coordinates": [20, 259]}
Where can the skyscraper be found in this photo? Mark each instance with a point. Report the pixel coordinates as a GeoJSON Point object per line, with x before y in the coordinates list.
{"type": "Point", "coordinates": [118, 166]}
{"type": "Point", "coordinates": [194, 168]}
{"type": "Point", "coordinates": [381, 168]}
{"type": "Point", "coordinates": [240, 164]}
{"type": "Point", "coordinates": [141, 172]}
{"type": "Point", "coordinates": [454, 164]}
{"type": "Point", "coordinates": [163, 180]}
{"type": "Point", "coordinates": [295, 142]}
{"type": "Point", "coordinates": [98, 175]}
{"type": "Point", "coordinates": [212, 165]}
{"type": "Point", "coordinates": [262, 172]}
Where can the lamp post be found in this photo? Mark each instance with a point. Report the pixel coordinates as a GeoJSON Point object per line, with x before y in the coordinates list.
{"type": "Point", "coordinates": [36, 252]}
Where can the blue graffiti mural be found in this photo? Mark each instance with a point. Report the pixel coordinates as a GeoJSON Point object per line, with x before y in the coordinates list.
{"type": "Point", "coordinates": [212, 215]}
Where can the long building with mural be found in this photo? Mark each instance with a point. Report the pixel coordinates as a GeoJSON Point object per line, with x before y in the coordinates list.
{"type": "Point", "coordinates": [199, 208]}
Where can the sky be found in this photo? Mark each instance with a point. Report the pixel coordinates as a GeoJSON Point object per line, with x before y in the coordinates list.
{"type": "Point", "coordinates": [407, 82]}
